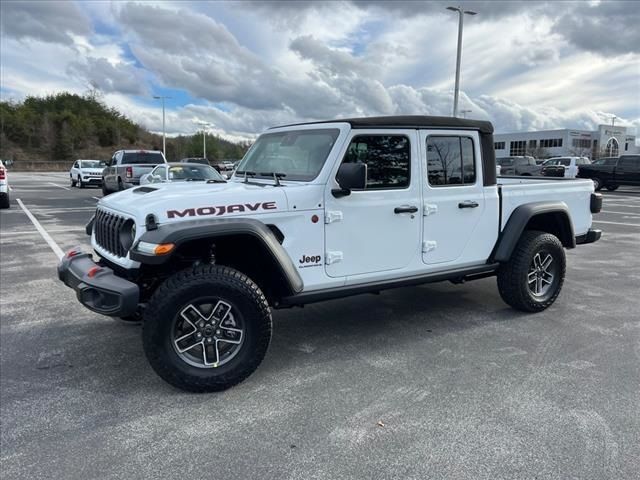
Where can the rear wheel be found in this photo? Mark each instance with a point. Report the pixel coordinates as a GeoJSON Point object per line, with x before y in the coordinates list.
{"type": "Point", "coordinates": [105, 190]}
{"type": "Point", "coordinates": [120, 185]}
{"type": "Point", "coordinates": [73, 182]}
{"type": "Point", "coordinates": [611, 188]}
{"type": "Point", "coordinates": [206, 329]}
{"type": "Point", "coordinates": [532, 278]}
{"type": "Point", "coordinates": [5, 201]}
{"type": "Point", "coordinates": [597, 184]}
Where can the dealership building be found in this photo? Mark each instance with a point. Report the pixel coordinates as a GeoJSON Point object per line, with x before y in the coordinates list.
{"type": "Point", "coordinates": [606, 141]}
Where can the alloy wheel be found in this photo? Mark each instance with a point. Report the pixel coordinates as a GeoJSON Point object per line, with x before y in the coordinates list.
{"type": "Point", "coordinates": [207, 333]}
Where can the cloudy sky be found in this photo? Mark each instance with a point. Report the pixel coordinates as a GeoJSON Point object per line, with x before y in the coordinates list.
{"type": "Point", "coordinates": [245, 66]}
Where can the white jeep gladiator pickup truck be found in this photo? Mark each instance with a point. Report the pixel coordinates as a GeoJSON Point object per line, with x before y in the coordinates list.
{"type": "Point", "coordinates": [314, 212]}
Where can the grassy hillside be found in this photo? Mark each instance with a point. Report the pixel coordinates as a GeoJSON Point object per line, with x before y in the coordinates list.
{"type": "Point", "coordinates": [66, 126]}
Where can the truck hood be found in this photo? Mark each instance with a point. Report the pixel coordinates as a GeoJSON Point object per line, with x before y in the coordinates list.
{"type": "Point", "coordinates": [190, 200]}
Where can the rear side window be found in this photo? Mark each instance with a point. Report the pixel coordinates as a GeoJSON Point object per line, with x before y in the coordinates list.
{"type": "Point", "coordinates": [145, 158]}
{"type": "Point", "coordinates": [451, 161]}
{"type": "Point", "coordinates": [629, 163]}
{"type": "Point", "coordinates": [387, 158]}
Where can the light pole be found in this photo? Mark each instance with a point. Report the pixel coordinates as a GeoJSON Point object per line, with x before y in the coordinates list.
{"type": "Point", "coordinates": [204, 126]}
{"type": "Point", "coordinates": [164, 133]}
{"type": "Point", "coordinates": [464, 113]}
{"type": "Point", "coordinates": [461, 14]}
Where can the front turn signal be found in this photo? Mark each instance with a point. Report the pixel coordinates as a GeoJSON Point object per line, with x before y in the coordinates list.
{"type": "Point", "coordinates": [163, 248]}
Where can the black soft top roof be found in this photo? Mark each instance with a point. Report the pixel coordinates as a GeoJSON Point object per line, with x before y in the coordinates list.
{"type": "Point", "coordinates": [409, 121]}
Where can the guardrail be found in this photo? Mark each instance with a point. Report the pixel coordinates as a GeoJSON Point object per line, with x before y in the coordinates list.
{"type": "Point", "coordinates": [39, 166]}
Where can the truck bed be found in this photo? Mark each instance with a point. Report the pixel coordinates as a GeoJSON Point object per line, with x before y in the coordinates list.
{"type": "Point", "coordinates": [575, 193]}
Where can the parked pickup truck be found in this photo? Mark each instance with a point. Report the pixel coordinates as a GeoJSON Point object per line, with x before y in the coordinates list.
{"type": "Point", "coordinates": [525, 166]}
{"type": "Point", "coordinates": [125, 168]}
{"type": "Point", "coordinates": [314, 212]}
{"type": "Point", "coordinates": [610, 174]}
{"type": "Point", "coordinates": [566, 167]}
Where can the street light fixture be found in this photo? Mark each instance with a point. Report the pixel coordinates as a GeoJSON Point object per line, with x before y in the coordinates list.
{"type": "Point", "coordinates": [461, 14]}
{"type": "Point", "coordinates": [464, 113]}
{"type": "Point", "coordinates": [164, 133]}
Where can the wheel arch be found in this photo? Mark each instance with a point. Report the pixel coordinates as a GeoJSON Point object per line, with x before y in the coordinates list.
{"type": "Point", "coordinates": [247, 245]}
{"type": "Point", "coordinates": [550, 217]}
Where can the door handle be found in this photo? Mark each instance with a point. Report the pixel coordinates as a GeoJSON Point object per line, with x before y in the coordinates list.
{"type": "Point", "coordinates": [405, 209]}
{"type": "Point", "coordinates": [468, 204]}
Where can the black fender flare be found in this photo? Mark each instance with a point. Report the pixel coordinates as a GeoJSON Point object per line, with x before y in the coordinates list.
{"type": "Point", "coordinates": [179, 233]}
{"type": "Point", "coordinates": [518, 221]}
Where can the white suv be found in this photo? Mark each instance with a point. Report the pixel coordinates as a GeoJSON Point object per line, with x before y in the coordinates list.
{"type": "Point", "coordinates": [86, 172]}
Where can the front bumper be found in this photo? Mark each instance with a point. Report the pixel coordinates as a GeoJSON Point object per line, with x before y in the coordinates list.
{"type": "Point", "coordinates": [589, 237]}
{"type": "Point", "coordinates": [98, 288]}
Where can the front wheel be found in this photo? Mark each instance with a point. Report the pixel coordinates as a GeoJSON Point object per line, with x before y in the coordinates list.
{"type": "Point", "coordinates": [532, 278]}
{"type": "Point", "coordinates": [206, 329]}
{"type": "Point", "coordinates": [80, 182]}
{"type": "Point", "coordinates": [612, 188]}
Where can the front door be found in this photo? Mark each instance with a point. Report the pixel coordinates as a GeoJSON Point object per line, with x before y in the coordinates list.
{"type": "Point", "coordinates": [454, 202]}
{"type": "Point", "coordinates": [376, 229]}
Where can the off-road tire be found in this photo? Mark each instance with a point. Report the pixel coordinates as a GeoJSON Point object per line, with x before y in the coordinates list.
{"type": "Point", "coordinates": [80, 182]}
{"type": "Point", "coordinates": [186, 287]}
{"type": "Point", "coordinates": [612, 188]}
{"type": "Point", "coordinates": [597, 184]}
{"type": "Point", "coordinates": [513, 275]}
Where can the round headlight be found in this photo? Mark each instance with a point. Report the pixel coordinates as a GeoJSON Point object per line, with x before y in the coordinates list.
{"type": "Point", "coordinates": [127, 234]}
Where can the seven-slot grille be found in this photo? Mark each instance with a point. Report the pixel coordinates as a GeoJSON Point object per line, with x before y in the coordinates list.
{"type": "Point", "coordinates": [107, 230]}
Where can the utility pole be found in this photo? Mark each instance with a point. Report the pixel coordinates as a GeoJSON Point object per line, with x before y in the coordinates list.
{"type": "Point", "coordinates": [456, 90]}
{"type": "Point", "coordinates": [164, 132]}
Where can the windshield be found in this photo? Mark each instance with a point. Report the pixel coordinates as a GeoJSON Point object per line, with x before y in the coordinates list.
{"type": "Point", "coordinates": [299, 155]}
{"type": "Point", "coordinates": [193, 172]}
{"type": "Point", "coordinates": [142, 157]}
{"type": "Point", "coordinates": [505, 162]}
{"type": "Point", "coordinates": [92, 164]}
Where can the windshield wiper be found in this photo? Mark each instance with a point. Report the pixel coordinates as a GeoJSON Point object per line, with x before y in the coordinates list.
{"type": "Point", "coordinates": [216, 180]}
{"type": "Point", "coordinates": [246, 174]}
{"type": "Point", "coordinates": [276, 176]}
{"type": "Point", "coordinates": [194, 179]}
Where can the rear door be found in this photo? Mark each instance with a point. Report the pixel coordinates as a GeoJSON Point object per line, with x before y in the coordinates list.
{"type": "Point", "coordinates": [628, 170]}
{"type": "Point", "coordinates": [376, 229]}
{"type": "Point", "coordinates": [458, 227]}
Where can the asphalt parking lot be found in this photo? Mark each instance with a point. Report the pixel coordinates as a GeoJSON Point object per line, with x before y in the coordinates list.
{"type": "Point", "coordinates": [437, 381]}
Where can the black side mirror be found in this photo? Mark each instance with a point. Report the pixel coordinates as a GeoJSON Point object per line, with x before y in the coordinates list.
{"type": "Point", "coordinates": [350, 176]}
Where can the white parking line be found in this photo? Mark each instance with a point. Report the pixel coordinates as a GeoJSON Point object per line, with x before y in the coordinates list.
{"type": "Point", "coordinates": [618, 223]}
{"type": "Point", "coordinates": [59, 186]}
{"type": "Point", "coordinates": [31, 232]}
{"type": "Point", "coordinates": [97, 198]}
{"type": "Point", "coordinates": [47, 238]}
{"type": "Point", "coordinates": [621, 213]}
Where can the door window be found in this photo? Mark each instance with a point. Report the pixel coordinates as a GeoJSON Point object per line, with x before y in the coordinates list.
{"type": "Point", "coordinates": [450, 161]}
{"type": "Point", "coordinates": [387, 158]}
